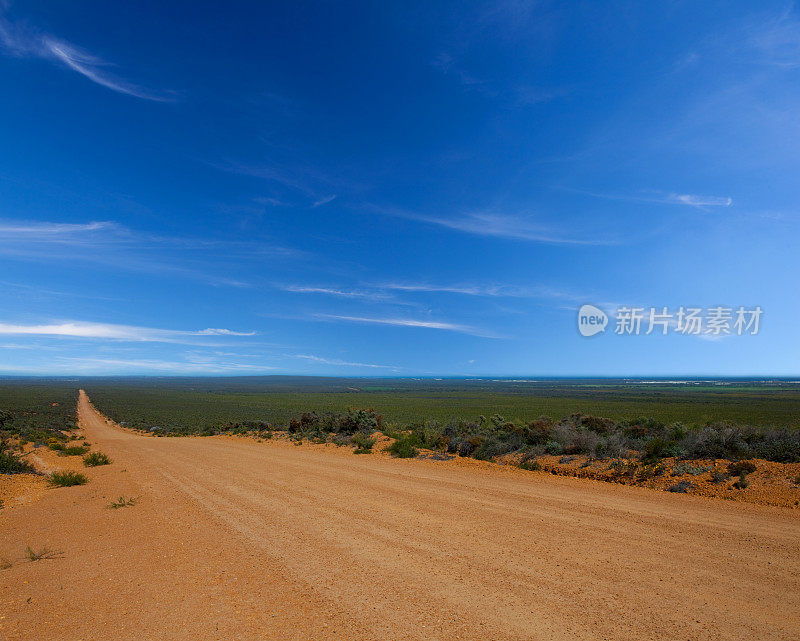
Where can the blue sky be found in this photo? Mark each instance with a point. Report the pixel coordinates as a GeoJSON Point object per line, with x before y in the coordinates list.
{"type": "Point", "coordinates": [395, 189]}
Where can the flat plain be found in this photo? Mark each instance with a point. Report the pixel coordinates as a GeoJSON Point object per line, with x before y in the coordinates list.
{"type": "Point", "coordinates": [236, 538]}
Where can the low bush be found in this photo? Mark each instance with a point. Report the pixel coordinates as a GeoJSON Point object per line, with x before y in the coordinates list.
{"type": "Point", "coordinates": [11, 463]}
{"type": "Point", "coordinates": [93, 459]}
{"type": "Point", "coordinates": [681, 487]}
{"type": "Point", "coordinates": [717, 441]}
{"type": "Point", "coordinates": [340, 439]}
{"type": "Point", "coordinates": [73, 450]}
{"type": "Point", "coordinates": [403, 448]}
{"type": "Point", "coordinates": [742, 482]}
{"type": "Point", "coordinates": [718, 476]}
{"type": "Point", "coordinates": [67, 479]}
{"type": "Point", "coordinates": [650, 471]}
{"type": "Point", "coordinates": [682, 467]}
{"type": "Point", "coordinates": [362, 442]}
{"type": "Point", "coordinates": [782, 446]}
{"type": "Point", "coordinates": [532, 465]}
{"type": "Point", "coordinates": [553, 447]}
{"type": "Point", "coordinates": [658, 448]}
{"type": "Point", "coordinates": [741, 468]}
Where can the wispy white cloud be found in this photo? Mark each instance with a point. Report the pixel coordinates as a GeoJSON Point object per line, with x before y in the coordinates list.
{"type": "Point", "coordinates": [294, 173]}
{"type": "Point", "coordinates": [118, 247]}
{"type": "Point", "coordinates": [22, 41]}
{"type": "Point", "coordinates": [700, 201]}
{"type": "Point", "coordinates": [214, 331]}
{"type": "Point", "coordinates": [770, 40]}
{"type": "Point", "coordinates": [409, 322]}
{"type": "Point", "coordinates": [672, 198]}
{"type": "Point", "coordinates": [102, 365]}
{"type": "Point", "coordinates": [323, 201]}
{"type": "Point", "coordinates": [499, 291]}
{"type": "Point", "coordinates": [91, 67]}
{"type": "Point", "coordinates": [48, 229]}
{"type": "Point", "coordinates": [109, 331]}
{"type": "Point", "coordinates": [469, 290]}
{"type": "Point", "coordinates": [332, 291]}
{"type": "Point", "coordinates": [334, 361]}
{"type": "Point", "coordinates": [514, 227]}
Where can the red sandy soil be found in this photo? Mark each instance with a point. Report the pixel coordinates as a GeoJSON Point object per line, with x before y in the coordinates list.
{"type": "Point", "coordinates": [770, 484]}
{"type": "Point", "coordinates": [236, 539]}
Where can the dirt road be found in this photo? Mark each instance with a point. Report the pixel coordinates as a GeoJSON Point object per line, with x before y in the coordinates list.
{"type": "Point", "coordinates": [234, 539]}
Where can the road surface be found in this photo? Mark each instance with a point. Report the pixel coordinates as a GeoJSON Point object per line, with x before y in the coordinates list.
{"type": "Point", "coordinates": [236, 539]}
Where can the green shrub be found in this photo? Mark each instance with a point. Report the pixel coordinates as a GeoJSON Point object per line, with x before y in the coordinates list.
{"type": "Point", "coordinates": [73, 450]}
{"type": "Point", "coordinates": [553, 447]}
{"type": "Point", "coordinates": [682, 467]}
{"type": "Point", "coordinates": [681, 487]}
{"type": "Point", "coordinates": [531, 465]}
{"type": "Point", "coordinates": [718, 476]}
{"type": "Point", "coordinates": [742, 483]}
{"type": "Point", "coordinates": [340, 440]}
{"type": "Point", "coordinates": [362, 441]}
{"type": "Point", "coordinates": [717, 441]}
{"type": "Point", "coordinates": [650, 471]}
{"type": "Point", "coordinates": [94, 459]}
{"type": "Point", "coordinates": [403, 448]}
{"type": "Point", "coordinates": [741, 468]}
{"type": "Point", "coordinates": [657, 448]}
{"type": "Point", "coordinates": [67, 479]}
{"type": "Point", "coordinates": [10, 463]}
{"type": "Point", "coordinates": [781, 445]}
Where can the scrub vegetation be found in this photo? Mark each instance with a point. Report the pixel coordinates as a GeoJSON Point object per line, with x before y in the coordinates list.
{"type": "Point", "coordinates": [647, 421]}
{"type": "Point", "coordinates": [41, 413]}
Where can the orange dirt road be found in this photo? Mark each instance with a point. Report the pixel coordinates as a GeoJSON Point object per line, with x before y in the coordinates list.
{"type": "Point", "coordinates": [235, 539]}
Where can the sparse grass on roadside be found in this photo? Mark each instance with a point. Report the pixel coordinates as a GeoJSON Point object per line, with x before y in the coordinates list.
{"type": "Point", "coordinates": [403, 448]}
{"type": "Point", "coordinates": [5, 563]}
{"type": "Point", "coordinates": [93, 459]}
{"type": "Point", "coordinates": [43, 553]}
{"type": "Point", "coordinates": [531, 465]}
{"type": "Point", "coordinates": [123, 502]}
{"type": "Point", "coordinates": [67, 479]}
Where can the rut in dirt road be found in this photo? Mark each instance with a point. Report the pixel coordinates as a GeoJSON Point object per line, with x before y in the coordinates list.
{"type": "Point", "coordinates": [238, 539]}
